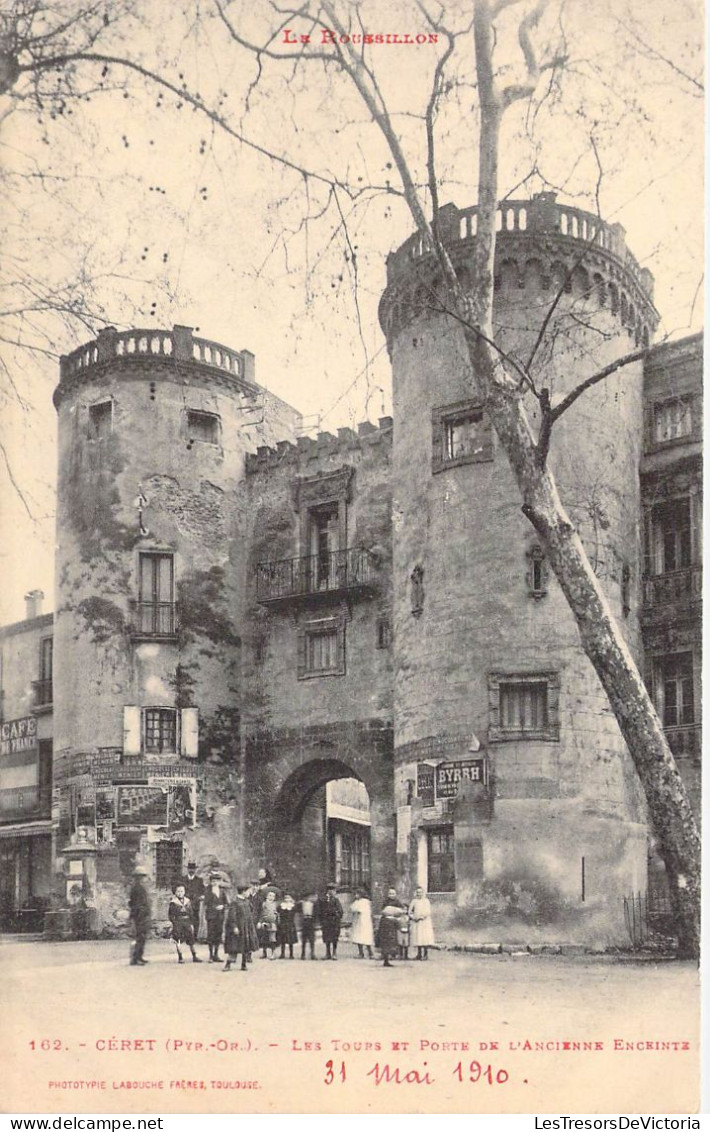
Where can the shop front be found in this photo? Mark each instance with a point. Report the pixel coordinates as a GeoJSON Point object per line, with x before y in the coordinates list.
{"type": "Point", "coordinates": [25, 876]}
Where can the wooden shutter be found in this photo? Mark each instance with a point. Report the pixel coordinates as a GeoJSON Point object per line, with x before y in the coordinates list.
{"type": "Point", "coordinates": [302, 642]}
{"type": "Point", "coordinates": [131, 730]}
{"type": "Point", "coordinates": [189, 732]}
{"type": "Point", "coordinates": [340, 648]}
{"type": "Point", "coordinates": [164, 578]}
{"type": "Point", "coordinates": [696, 526]}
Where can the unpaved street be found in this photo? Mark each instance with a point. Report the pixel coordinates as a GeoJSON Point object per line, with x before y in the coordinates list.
{"type": "Point", "coordinates": [350, 1036]}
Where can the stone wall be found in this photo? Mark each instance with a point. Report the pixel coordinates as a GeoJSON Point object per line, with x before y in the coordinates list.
{"type": "Point", "coordinates": [467, 619]}
{"type": "Point", "coordinates": [306, 731]}
{"type": "Point", "coordinates": [151, 482]}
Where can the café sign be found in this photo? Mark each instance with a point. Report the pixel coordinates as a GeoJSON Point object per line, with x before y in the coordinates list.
{"type": "Point", "coordinates": [18, 735]}
{"type": "Point", "coordinates": [450, 775]}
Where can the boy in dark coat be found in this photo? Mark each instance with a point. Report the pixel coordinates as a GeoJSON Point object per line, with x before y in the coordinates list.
{"type": "Point", "coordinates": [195, 891]}
{"type": "Point", "coordinates": [236, 930]}
{"type": "Point", "coordinates": [308, 923]}
{"type": "Point", "coordinates": [141, 914]}
{"type": "Point", "coordinates": [286, 934]}
{"type": "Point", "coordinates": [180, 916]}
{"type": "Point", "coordinates": [329, 913]}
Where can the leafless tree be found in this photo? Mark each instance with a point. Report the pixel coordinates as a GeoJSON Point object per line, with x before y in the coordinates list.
{"type": "Point", "coordinates": [318, 52]}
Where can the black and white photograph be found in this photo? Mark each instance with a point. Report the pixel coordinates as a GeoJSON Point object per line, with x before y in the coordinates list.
{"type": "Point", "coordinates": [351, 360]}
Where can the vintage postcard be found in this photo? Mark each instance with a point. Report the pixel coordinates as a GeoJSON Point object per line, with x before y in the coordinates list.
{"type": "Point", "coordinates": [351, 498]}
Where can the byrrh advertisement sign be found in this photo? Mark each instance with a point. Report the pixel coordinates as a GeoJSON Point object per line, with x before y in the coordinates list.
{"type": "Point", "coordinates": [18, 735]}
{"type": "Point", "coordinates": [449, 776]}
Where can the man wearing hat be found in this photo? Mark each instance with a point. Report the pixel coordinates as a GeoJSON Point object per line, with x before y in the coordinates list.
{"type": "Point", "coordinates": [215, 907]}
{"type": "Point", "coordinates": [329, 913]}
{"type": "Point", "coordinates": [195, 890]}
{"type": "Point", "coordinates": [141, 914]}
{"type": "Point", "coordinates": [237, 929]}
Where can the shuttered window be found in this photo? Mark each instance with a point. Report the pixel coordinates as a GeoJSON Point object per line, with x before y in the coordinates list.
{"type": "Point", "coordinates": [156, 606]}
{"type": "Point", "coordinates": [160, 729]}
{"type": "Point", "coordinates": [522, 706]}
{"type": "Point", "coordinates": [156, 730]}
{"type": "Point", "coordinates": [674, 690]}
{"type": "Point", "coordinates": [672, 420]}
{"type": "Point", "coordinates": [671, 536]}
{"type": "Point", "coordinates": [321, 648]}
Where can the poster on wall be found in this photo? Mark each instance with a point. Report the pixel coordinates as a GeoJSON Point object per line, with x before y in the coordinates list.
{"type": "Point", "coordinates": [450, 775]}
{"type": "Point", "coordinates": [142, 805]}
{"type": "Point", "coordinates": [106, 804]}
{"type": "Point", "coordinates": [85, 812]}
{"type": "Point", "coordinates": [350, 352]}
{"type": "Point", "coordinates": [182, 805]}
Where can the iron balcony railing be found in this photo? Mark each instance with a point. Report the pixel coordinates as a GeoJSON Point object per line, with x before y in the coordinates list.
{"type": "Point", "coordinates": [684, 741]}
{"type": "Point", "coordinates": [154, 619]}
{"type": "Point", "coordinates": [333, 572]}
{"type": "Point", "coordinates": [42, 693]}
{"type": "Point", "coordinates": [678, 585]}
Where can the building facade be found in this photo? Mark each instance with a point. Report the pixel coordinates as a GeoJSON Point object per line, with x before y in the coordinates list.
{"type": "Point", "coordinates": [344, 657]}
{"type": "Point", "coordinates": [27, 833]}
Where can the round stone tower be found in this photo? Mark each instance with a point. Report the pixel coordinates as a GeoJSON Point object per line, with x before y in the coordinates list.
{"type": "Point", "coordinates": [517, 801]}
{"type": "Point", "coordinates": [153, 430]}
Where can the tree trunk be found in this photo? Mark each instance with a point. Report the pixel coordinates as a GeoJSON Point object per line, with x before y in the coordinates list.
{"type": "Point", "coordinates": [601, 638]}
{"type": "Point", "coordinates": [669, 808]}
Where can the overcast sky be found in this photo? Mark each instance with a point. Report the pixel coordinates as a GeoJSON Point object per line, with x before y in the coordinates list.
{"type": "Point", "coordinates": [172, 221]}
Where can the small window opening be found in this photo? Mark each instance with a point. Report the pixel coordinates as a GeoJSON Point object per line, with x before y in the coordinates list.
{"type": "Point", "coordinates": [203, 427]}
{"type": "Point", "coordinates": [100, 420]}
{"type": "Point", "coordinates": [384, 633]}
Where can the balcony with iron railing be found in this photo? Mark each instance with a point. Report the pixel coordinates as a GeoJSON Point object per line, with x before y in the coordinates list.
{"type": "Point", "coordinates": [677, 586]}
{"type": "Point", "coordinates": [155, 620]}
{"type": "Point", "coordinates": [685, 741]}
{"type": "Point", "coordinates": [43, 694]}
{"type": "Point", "coordinates": [316, 575]}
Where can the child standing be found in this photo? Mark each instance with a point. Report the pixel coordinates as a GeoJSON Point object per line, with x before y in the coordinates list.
{"type": "Point", "coordinates": [268, 920]}
{"type": "Point", "coordinates": [308, 924]}
{"type": "Point", "coordinates": [286, 926]}
{"type": "Point", "coordinates": [180, 914]}
{"type": "Point", "coordinates": [361, 931]}
{"type": "Point", "coordinates": [403, 936]}
{"type": "Point", "coordinates": [422, 927]}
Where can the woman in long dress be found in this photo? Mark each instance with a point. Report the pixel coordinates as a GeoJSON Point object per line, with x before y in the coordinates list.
{"type": "Point", "coordinates": [361, 931]}
{"type": "Point", "coordinates": [387, 931]}
{"type": "Point", "coordinates": [421, 933]}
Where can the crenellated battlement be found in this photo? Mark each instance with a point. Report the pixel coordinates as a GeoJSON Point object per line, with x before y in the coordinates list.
{"type": "Point", "coordinates": [326, 444]}
{"type": "Point", "coordinates": [169, 348]}
{"type": "Point", "coordinates": [541, 247]}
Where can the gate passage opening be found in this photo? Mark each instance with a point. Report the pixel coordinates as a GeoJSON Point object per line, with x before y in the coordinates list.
{"type": "Point", "coordinates": [322, 828]}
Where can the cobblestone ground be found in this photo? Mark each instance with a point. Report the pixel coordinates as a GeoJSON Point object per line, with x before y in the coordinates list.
{"type": "Point", "coordinates": [190, 1038]}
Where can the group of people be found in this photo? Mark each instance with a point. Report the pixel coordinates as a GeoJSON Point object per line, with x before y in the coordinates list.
{"type": "Point", "coordinates": [401, 926]}
{"type": "Point", "coordinates": [261, 917]}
